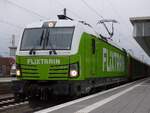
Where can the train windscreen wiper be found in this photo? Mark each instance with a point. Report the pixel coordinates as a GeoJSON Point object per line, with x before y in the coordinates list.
{"type": "Point", "coordinates": [50, 44]}
{"type": "Point", "coordinates": [41, 38]}
{"type": "Point", "coordinates": [32, 50]}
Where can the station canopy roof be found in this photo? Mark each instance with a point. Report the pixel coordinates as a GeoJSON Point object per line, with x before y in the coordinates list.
{"type": "Point", "coordinates": [141, 32]}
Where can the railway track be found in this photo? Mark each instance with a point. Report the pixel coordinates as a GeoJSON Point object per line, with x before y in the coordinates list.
{"type": "Point", "coordinates": [9, 105]}
{"type": "Point", "coordinates": [5, 88]}
{"type": "Point", "coordinates": [6, 101]}
{"type": "Point", "coordinates": [9, 102]}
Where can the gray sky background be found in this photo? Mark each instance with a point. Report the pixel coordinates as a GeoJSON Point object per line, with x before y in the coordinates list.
{"type": "Point", "coordinates": [15, 14]}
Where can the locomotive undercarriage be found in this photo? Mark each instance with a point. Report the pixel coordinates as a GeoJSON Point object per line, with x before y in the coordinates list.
{"type": "Point", "coordinates": [46, 89]}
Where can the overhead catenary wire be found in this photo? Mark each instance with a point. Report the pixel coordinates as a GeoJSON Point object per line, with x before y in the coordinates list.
{"type": "Point", "coordinates": [71, 11]}
{"type": "Point", "coordinates": [103, 23]}
{"type": "Point", "coordinates": [25, 9]}
{"type": "Point", "coordinates": [11, 24]}
{"type": "Point", "coordinates": [92, 9]}
{"type": "Point", "coordinates": [118, 30]}
{"type": "Point", "coordinates": [8, 34]}
{"type": "Point", "coordinates": [119, 16]}
{"type": "Point", "coordinates": [115, 11]}
{"type": "Point", "coordinates": [20, 7]}
{"type": "Point", "coordinates": [83, 22]}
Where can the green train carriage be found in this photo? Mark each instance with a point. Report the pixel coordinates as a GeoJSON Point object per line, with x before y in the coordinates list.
{"type": "Point", "coordinates": [66, 57]}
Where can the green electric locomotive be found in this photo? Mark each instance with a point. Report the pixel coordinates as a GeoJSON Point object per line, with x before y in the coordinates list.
{"type": "Point", "coordinates": [65, 57]}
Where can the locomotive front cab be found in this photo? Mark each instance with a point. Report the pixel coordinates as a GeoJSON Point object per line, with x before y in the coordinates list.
{"type": "Point", "coordinates": [51, 56]}
{"type": "Point", "coordinates": [50, 52]}
{"type": "Point", "coordinates": [64, 57]}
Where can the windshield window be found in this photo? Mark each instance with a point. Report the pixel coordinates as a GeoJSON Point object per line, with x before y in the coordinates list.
{"type": "Point", "coordinates": [58, 38]}
{"type": "Point", "coordinates": [31, 39]}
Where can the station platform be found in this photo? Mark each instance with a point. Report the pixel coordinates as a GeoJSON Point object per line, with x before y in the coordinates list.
{"type": "Point", "coordinates": [7, 79]}
{"type": "Point", "coordinates": [129, 98]}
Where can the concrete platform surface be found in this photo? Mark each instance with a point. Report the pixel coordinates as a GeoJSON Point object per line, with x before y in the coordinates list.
{"type": "Point", "coordinates": [7, 79]}
{"type": "Point", "coordinates": [129, 98]}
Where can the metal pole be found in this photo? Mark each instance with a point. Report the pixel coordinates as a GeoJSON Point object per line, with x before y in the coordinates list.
{"type": "Point", "coordinates": [65, 12]}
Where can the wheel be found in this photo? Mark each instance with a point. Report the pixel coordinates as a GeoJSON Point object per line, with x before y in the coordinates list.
{"type": "Point", "coordinates": [19, 97]}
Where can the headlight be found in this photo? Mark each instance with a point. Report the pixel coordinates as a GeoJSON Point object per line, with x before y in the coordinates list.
{"type": "Point", "coordinates": [18, 72]}
{"type": "Point", "coordinates": [49, 24]}
{"type": "Point", "coordinates": [73, 73]}
{"type": "Point", "coordinates": [74, 70]}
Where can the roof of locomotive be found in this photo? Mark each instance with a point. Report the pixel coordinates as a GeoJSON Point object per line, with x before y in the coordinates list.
{"type": "Point", "coordinates": [70, 23]}
{"type": "Point", "coordinates": [65, 23]}
{"type": "Point", "coordinates": [59, 23]}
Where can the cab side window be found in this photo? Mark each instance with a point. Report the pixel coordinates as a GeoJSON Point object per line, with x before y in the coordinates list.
{"type": "Point", "coordinates": [93, 46]}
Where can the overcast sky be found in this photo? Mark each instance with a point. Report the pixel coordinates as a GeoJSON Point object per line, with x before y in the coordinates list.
{"type": "Point", "coordinates": [15, 14]}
